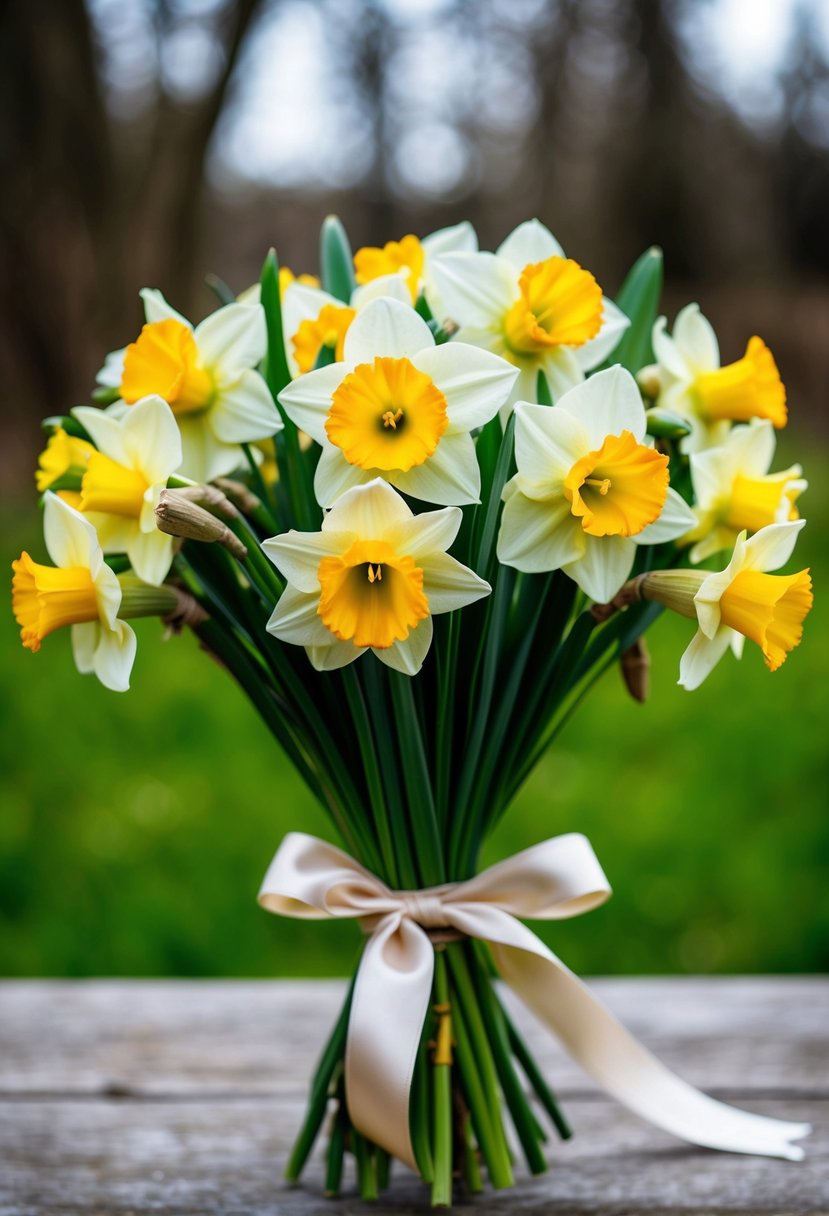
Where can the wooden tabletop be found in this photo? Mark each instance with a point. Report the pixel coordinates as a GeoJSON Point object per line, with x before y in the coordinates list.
{"type": "Point", "coordinates": [129, 1097]}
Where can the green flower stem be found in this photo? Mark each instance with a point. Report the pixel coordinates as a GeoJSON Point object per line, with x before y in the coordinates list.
{"type": "Point", "coordinates": [444, 717]}
{"type": "Point", "coordinates": [526, 1125]}
{"type": "Point", "coordinates": [259, 487]}
{"type": "Point", "coordinates": [335, 1152]}
{"type": "Point", "coordinates": [536, 1077]}
{"type": "Point", "coordinates": [357, 705]}
{"type": "Point", "coordinates": [366, 1165]}
{"type": "Point", "coordinates": [417, 783]}
{"type": "Point", "coordinates": [471, 1165]}
{"type": "Point", "coordinates": [480, 1102]}
{"type": "Point", "coordinates": [420, 1110]}
{"type": "Point", "coordinates": [393, 784]}
{"type": "Point", "coordinates": [330, 1061]}
{"type": "Point", "coordinates": [383, 1160]}
{"type": "Point", "coordinates": [442, 1101]}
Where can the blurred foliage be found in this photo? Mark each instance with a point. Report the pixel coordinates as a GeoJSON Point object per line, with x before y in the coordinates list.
{"type": "Point", "coordinates": [136, 828]}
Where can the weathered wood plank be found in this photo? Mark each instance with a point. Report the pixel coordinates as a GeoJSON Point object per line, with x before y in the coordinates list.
{"type": "Point", "coordinates": [206, 1157]}
{"type": "Point", "coordinates": [177, 1036]}
{"type": "Point", "coordinates": [211, 1078]}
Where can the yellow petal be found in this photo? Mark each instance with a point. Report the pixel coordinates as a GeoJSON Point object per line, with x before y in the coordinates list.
{"type": "Point", "coordinates": [749, 388]}
{"type": "Point", "coordinates": [619, 489]}
{"type": "Point", "coordinates": [560, 305]}
{"type": "Point", "coordinates": [370, 595]}
{"type": "Point", "coordinates": [769, 609]}
{"type": "Point", "coordinates": [45, 598]}
{"type": "Point", "coordinates": [165, 360]}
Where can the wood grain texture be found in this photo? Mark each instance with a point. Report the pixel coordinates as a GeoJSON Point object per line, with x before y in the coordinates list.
{"type": "Point", "coordinates": [182, 1097]}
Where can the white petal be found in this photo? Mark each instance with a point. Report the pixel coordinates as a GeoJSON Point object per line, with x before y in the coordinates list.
{"type": "Point", "coordinates": [538, 536]}
{"type": "Point", "coordinates": [244, 410]}
{"type": "Point", "coordinates": [84, 642]}
{"type": "Point", "coordinates": [562, 370]}
{"type": "Point", "coordinates": [449, 585]}
{"type": "Point", "coordinates": [332, 658]}
{"type": "Point", "coordinates": [528, 243]}
{"type": "Point", "coordinates": [151, 439]}
{"type": "Point", "coordinates": [108, 595]}
{"type": "Point", "coordinates": [391, 286]}
{"type": "Point", "coordinates": [297, 555]}
{"type": "Point", "coordinates": [232, 338]}
{"type": "Point", "coordinates": [702, 656]}
{"type": "Point", "coordinates": [427, 533]}
{"type": "Point", "coordinates": [667, 353]}
{"type": "Point", "coordinates": [696, 340]}
{"type": "Point", "coordinates": [114, 656]}
{"type": "Point", "coordinates": [459, 238]}
{"type": "Point", "coordinates": [604, 567]}
{"type": "Point", "coordinates": [753, 446]}
{"type": "Point", "coordinates": [772, 546]}
{"type": "Point", "coordinates": [334, 475]}
{"type": "Point", "coordinates": [157, 309]}
{"type": "Point", "coordinates": [548, 442]}
{"type": "Point", "coordinates": [370, 511]}
{"type": "Point", "coordinates": [614, 324]}
{"type": "Point", "coordinates": [295, 619]}
{"type": "Point", "coordinates": [112, 373]}
{"type": "Point", "coordinates": [675, 519]}
{"type": "Point", "coordinates": [70, 539]}
{"type": "Point", "coordinates": [451, 477]}
{"type": "Point", "coordinates": [475, 289]}
{"type": "Point", "coordinates": [307, 400]}
{"type": "Point", "coordinates": [203, 457]}
{"type": "Point", "coordinates": [151, 556]}
{"type": "Point", "coordinates": [607, 404]}
{"type": "Point", "coordinates": [115, 532]}
{"type": "Point", "coordinates": [105, 430]}
{"type": "Point", "coordinates": [474, 382]}
{"type": "Point", "coordinates": [386, 328]}
{"type": "Point", "coordinates": [408, 656]}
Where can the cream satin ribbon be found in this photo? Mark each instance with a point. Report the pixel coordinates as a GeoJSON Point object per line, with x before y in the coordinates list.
{"type": "Point", "coordinates": [551, 881]}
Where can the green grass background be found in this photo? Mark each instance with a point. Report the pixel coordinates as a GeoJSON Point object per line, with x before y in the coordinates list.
{"type": "Point", "coordinates": [135, 829]}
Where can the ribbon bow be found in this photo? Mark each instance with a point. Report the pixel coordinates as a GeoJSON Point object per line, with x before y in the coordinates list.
{"type": "Point", "coordinates": [551, 881]}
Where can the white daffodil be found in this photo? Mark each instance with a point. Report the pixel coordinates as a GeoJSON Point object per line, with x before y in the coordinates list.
{"type": "Point", "coordinates": [81, 591]}
{"type": "Point", "coordinates": [532, 305]}
{"type": "Point", "coordinates": [123, 480]}
{"type": "Point", "coordinates": [206, 375]}
{"type": "Point", "coordinates": [399, 407]}
{"type": "Point", "coordinates": [371, 579]}
{"type": "Point", "coordinates": [589, 487]}
{"type": "Point", "coordinates": [742, 601]}
{"type": "Point", "coordinates": [734, 491]}
{"type": "Point", "coordinates": [690, 382]}
{"type": "Point", "coordinates": [312, 319]}
{"type": "Point", "coordinates": [412, 260]}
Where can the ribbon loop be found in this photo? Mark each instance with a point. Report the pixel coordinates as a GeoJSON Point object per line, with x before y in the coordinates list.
{"type": "Point", "coordinates": [554, 880]}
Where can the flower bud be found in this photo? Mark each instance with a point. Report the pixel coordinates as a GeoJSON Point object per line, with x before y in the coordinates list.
{"type": "Point", "coordinates": [178, 516]}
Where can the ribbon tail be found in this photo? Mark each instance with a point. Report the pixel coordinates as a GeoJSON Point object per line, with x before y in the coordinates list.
{"type": "Point", "coordinates": [628, 1071]}
{"type": "Point", "coordinates": [388, 1010]}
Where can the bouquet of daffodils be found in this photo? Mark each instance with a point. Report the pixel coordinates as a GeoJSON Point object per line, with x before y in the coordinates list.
{"type": "Point", "coordinates": [416, 509]}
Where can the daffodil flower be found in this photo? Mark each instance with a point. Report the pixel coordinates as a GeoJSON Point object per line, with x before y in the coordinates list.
{"type": "Point", "coordinates": [313, 319]}
{"type": "Point", "coordinates": [742, 601]}
{"type": "Point", "coordinates": [371, 579]}
{"type": "Point", "coordinates": [206, 375]}
{"type": "Point", "coordinates": [123, 480]}
{"type": "Point", "coordinates": [692, 384]}
{"type": "Point", "coordinates": [412, 260]}
{"type": "Point", "coordinates": [399, 407]}
{"type": "Point", "coordinates": [734, 491]}
{"type": "Point", "coordinates": [532, 305]}
{"type": "Point", "coordinates": [81, 591]}
{"type": "Point", "coordinates": [589, 487]}
{"type": "Point", "coordinates": [65, 457]}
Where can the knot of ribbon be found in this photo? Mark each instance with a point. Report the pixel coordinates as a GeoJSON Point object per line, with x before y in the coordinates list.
{"type": "Point", "coordinates": [557, 879]}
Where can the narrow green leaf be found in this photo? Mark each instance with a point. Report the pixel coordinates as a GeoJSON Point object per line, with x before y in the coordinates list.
{"type": "Point", "coordinates": [220, 289]}
{"type": "Point", "coordinates": [639, 300]}
{"type": "Point", "coordinates": [542, 390]}
{"type": "Point", "coordinates": [336, 261]}
{"type": "Point", "coordinates": [276, 371]}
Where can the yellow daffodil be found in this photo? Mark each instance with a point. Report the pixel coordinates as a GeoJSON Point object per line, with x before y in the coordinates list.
{"type": "Point", "coordinates": [65, 457]}
{"type": "Point", "coordinates": [81, 591]}
{"type": "Point", "coordinates": [734, 491]}
{"type": "Point", "coordinates": [691, 383]}
{"type": "Point", "coordinates": [120, 489]}
{"type": "Point", "coordinates": [206, 375]}
{"type": "Point", "coordinates": [533, 306]}
{"type": "Point", "coordinates": [589, 487]}
{"type": "Point", "coordinates": [399, 407]}
{"type": "Point", "coordinates": [313, 319]}
{"type": "Point", "coordinates": [411, 260]}
{"type": "Point", "coordinates": [371, 579]}
{"type": "Point", "coordinates": [742, 601]}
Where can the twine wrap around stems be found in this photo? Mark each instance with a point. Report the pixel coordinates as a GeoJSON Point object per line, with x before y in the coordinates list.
{"type": "Point", "coordinates": [557, 879]}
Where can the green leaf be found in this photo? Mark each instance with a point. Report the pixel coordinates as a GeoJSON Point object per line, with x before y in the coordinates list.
{"type": "Point", "coordinates": [639, 300]}
{"type": "Point", "coordinates": [69, 424]}
{"type": "Point", "coordinates": [220, 289]}
{"type": "Point", "coordinates": [276, 371]}
{"type": "Point", "coordinates": [664, 425]}
{"type": "Point", "coordinates": [542, 390]}
{"type": "Point", "coordinates": [336, 262]}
